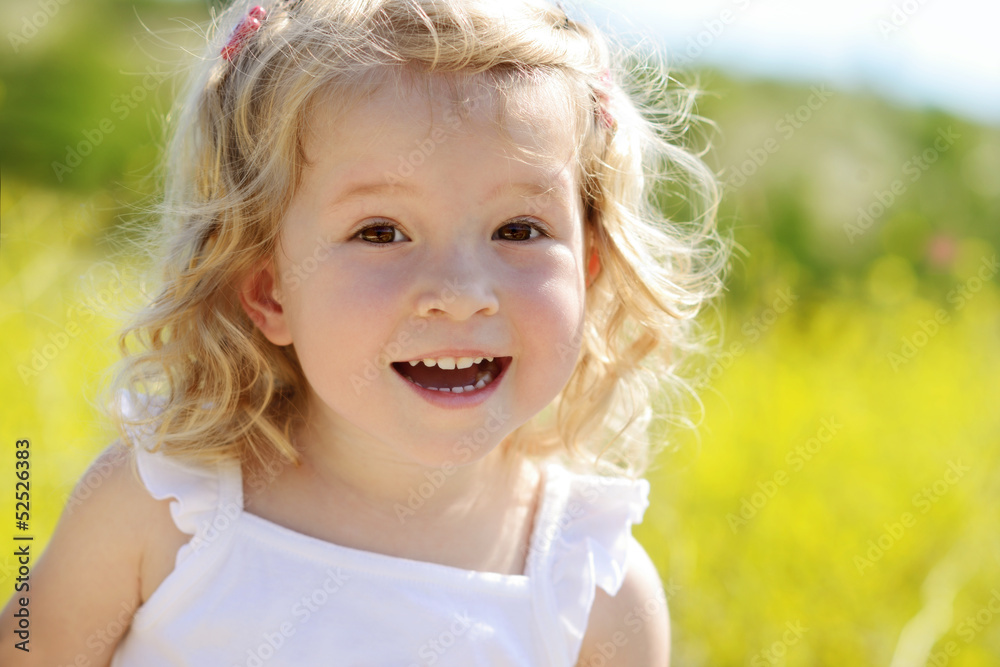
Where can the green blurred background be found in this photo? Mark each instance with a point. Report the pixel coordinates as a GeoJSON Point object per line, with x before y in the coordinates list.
{"type": "Point", "coordinates": [839, 501]}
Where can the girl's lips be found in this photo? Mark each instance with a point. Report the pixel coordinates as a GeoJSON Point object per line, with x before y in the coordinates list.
{"type": "Point", "coordinates": [445, 375]}
{"type": "Point", "coordinates": [456, 400]}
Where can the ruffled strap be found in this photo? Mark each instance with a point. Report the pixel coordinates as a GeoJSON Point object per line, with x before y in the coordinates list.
{"type": "Point", "coordinates": [583, 541]}
{"type": "Point", "coordinates": [207, 499]}
{"type": "Point", "coordinates": [205, 502]}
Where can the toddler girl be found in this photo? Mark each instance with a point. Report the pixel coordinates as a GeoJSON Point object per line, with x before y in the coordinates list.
{"type": "Point", "coordinates": [388, 405]}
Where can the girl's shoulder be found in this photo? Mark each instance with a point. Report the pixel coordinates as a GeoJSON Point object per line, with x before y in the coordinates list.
{"type": "Point", "coordinates": [585, 553]}
{"type": "Point", "coordinates": [635, 621]}
{"type": "Point", "coordinates": [95, 571]}
{"type": "Point", "coordinates": [114, 495]}
{"type": "Point", "coordinates": [164, 539]}
{"type": "Point", "coordinates": [174, 492]}
{"type": "Point", "coordinates": [629, 609]}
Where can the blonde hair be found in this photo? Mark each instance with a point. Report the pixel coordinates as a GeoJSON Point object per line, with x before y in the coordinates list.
{"type": "Point", "coordinates": [223, 391]}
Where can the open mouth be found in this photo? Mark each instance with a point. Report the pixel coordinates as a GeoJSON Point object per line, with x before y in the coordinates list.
{"type": "Point", "coordinates": [452, 375]}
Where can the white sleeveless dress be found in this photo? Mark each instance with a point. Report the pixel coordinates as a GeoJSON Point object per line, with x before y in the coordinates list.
{"type": "Point", "coordinates": [248, 592]}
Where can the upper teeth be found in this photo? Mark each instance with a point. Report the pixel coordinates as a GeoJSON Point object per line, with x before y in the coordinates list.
{"type": "Point", "coordinates": [450, 363]}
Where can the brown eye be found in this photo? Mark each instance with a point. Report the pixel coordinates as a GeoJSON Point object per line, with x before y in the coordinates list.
{"type": "Point", "coordinates": [380, 234]}
{"type": "Point", "coordinates": [516, 231]}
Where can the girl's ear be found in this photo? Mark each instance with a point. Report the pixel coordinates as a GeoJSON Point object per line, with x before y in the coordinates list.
{"type": "Point", "coordinates": [260, 298]}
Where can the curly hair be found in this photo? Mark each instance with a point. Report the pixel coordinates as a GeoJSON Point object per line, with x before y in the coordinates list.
{"type": "Point", "coordinates": [222, 390]}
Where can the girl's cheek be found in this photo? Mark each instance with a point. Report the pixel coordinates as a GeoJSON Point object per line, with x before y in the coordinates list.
{"type": "Point", "coordinates": [354, 293]}
{"type": "Point", "coordinates": [556, 278]}
{"type": "Point", "coordinates": [553, 295]}
{"type": "Point", "coordinates": [554, 263]}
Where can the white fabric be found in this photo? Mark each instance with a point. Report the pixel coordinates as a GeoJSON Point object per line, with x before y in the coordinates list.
{"type": "Point", "coordinates": [247, 592]}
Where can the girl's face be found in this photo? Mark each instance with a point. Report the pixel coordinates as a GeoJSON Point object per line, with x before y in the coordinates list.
{"type": "Point", "coordinates": [416, 244]}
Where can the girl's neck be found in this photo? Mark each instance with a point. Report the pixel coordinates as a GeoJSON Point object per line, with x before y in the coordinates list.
{"type": "Point", "coordinates": [478, 516]}
{"type": "Point", "coordinates": [339, 463]}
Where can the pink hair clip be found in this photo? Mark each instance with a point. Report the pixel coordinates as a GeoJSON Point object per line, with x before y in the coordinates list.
{"type": "Point", "coordinates": [250, 24]}
{"type": "Point", "coordinates": [604, 103]}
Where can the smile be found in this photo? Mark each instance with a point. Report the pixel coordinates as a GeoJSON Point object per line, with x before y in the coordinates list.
{"type": "Point", "coordinates": [451, 375]}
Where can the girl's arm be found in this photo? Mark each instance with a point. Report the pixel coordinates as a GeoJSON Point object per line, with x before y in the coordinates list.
{"type": "Point", "coordinates": [633, 627]}
{"type": "Point", "coordinates": [85, 589]}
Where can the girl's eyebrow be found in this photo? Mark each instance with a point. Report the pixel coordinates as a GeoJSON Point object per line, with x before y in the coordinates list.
{"type": "Point", "coordinates": [369, 189]}
{"type": "Point", "coordinates": [529, 189]}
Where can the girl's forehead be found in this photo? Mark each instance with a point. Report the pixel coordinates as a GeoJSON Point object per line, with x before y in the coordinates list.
{"type": "Point", "coordinates": [533, 119]}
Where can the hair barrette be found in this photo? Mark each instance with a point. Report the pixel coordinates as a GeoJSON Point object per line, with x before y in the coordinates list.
{"type": "Point", "coordinates": [604, 103]}
{"type": "Point", "coordinates": [250, 24]}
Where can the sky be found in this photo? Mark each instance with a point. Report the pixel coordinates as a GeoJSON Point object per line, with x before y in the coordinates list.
{"type": "Point", "coordinates": [937, 53]}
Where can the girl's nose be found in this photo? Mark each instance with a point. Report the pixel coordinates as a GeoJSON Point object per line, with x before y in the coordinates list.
{"type": "Point", "coordinates": [458, 287]}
